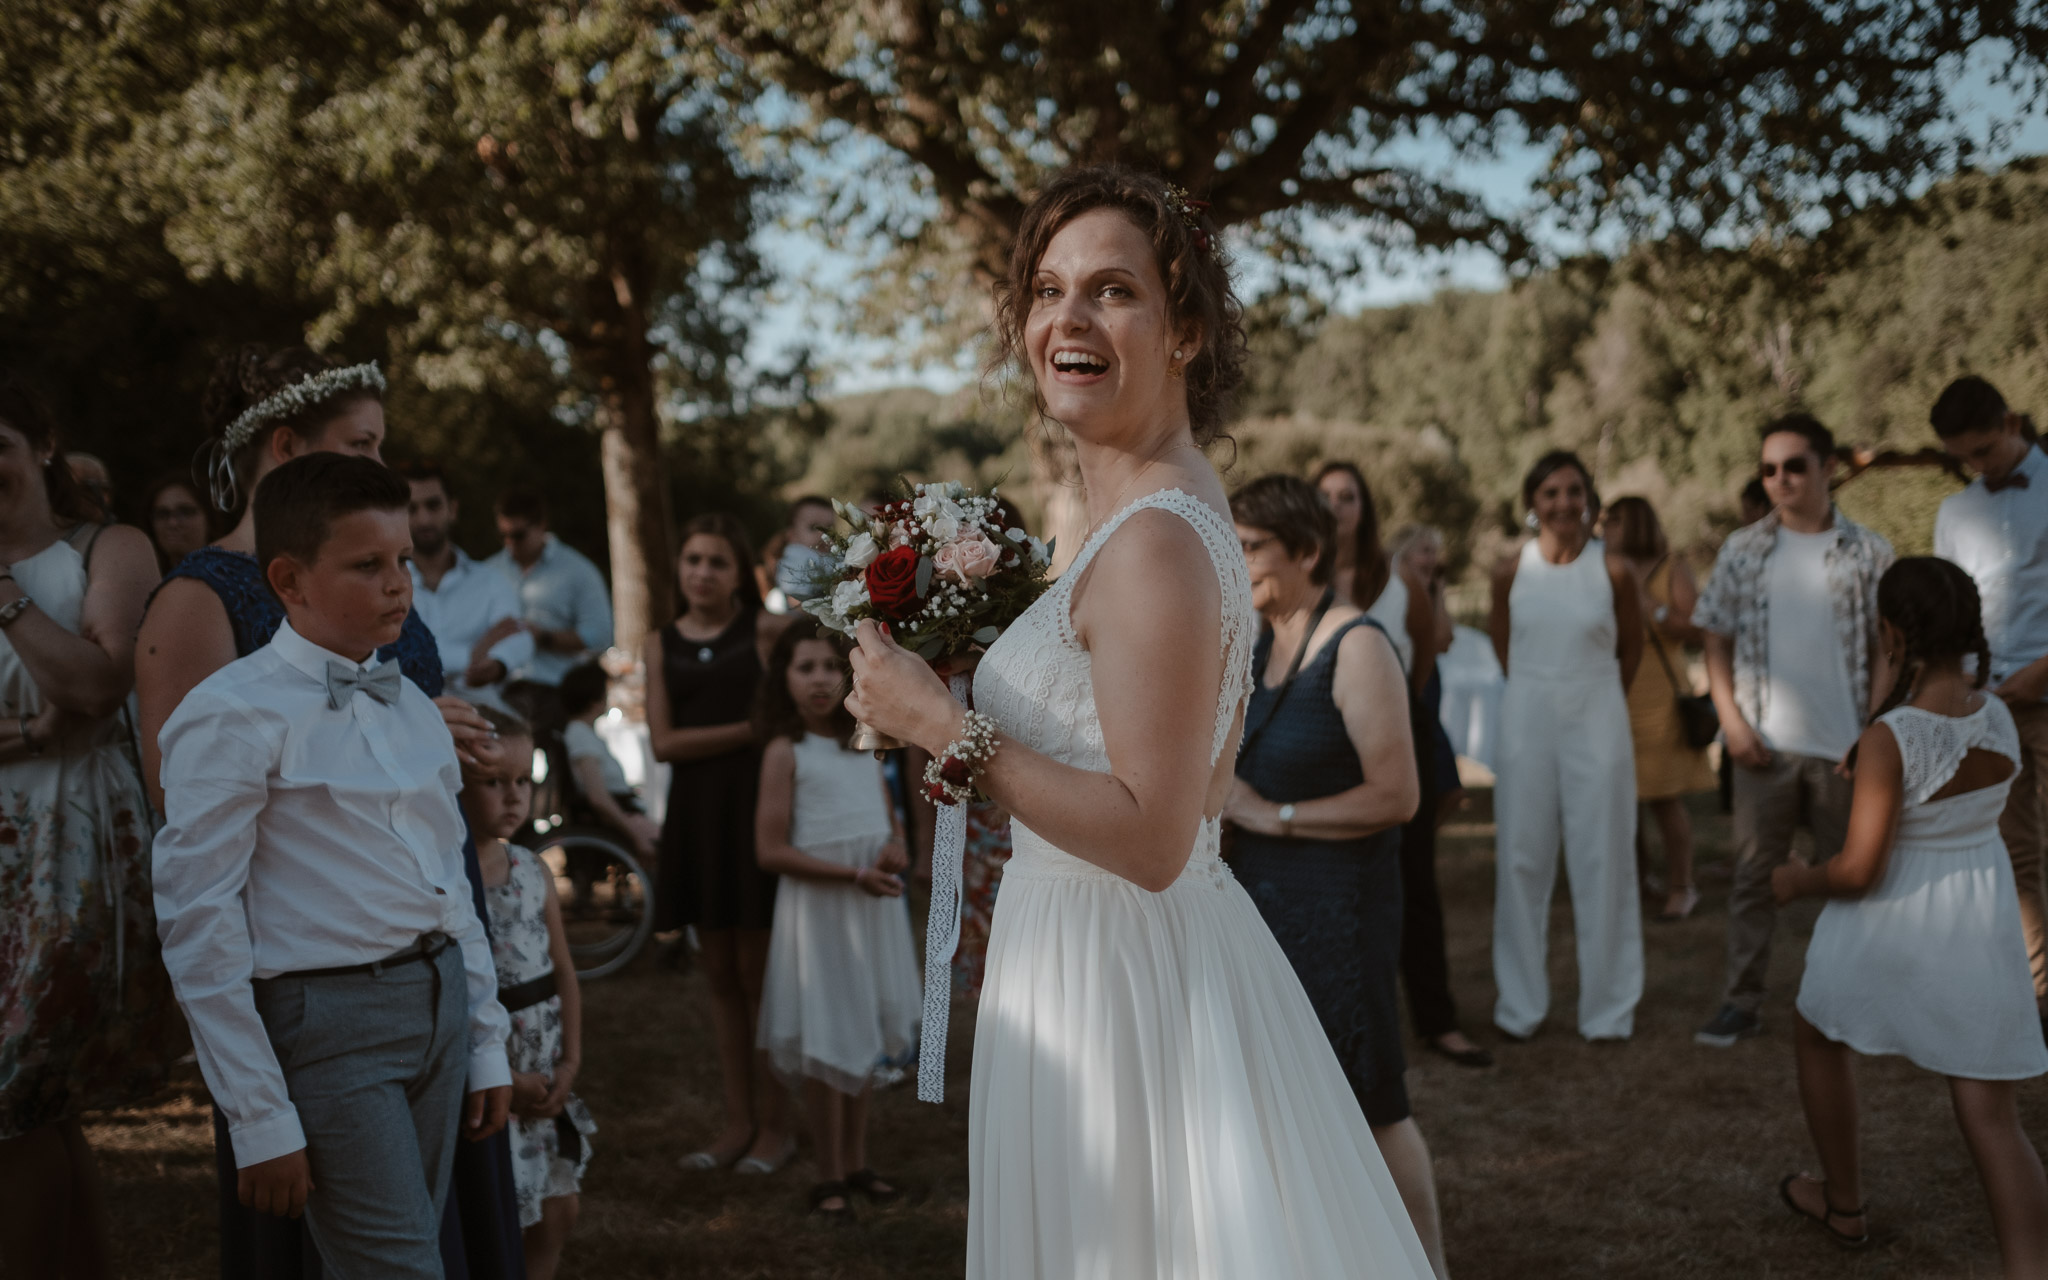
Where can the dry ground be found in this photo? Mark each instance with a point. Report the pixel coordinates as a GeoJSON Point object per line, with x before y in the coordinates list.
{"type": "Point", "coordinates": [1655, 1158]}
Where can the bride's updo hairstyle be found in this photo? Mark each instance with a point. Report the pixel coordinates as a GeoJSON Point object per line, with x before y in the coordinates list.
{"type": "Point", "coordinates": [253, 374]}
{"type": "Point", "coordinates": [1190, 261]}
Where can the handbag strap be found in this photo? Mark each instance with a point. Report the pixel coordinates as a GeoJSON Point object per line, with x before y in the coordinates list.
{"type": "Point", "coordinates": [1252, 732]}
{"type": "Point", "coordinates": [1657, 642]}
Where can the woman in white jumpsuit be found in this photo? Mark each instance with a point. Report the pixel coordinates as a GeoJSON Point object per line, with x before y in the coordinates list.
{"type": "Point", "coordinates": [1566, 628]}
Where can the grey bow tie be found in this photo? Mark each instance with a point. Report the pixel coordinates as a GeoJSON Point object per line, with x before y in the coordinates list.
{"type": "Point", "coordinates": [343, 680]}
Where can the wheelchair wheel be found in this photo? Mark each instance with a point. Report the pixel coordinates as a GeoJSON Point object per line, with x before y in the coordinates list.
{"type": "Point", "coordinates": [607, 899]}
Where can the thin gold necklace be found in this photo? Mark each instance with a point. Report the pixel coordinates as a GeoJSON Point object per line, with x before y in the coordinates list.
{"type": "Point", "coordinates": [1116, 503]}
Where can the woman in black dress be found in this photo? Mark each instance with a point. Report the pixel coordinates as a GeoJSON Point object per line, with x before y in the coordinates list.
{"type": "Point", "coordinates": [1325, 778]}
{"type": "Point", "coordinates": [702, 671]}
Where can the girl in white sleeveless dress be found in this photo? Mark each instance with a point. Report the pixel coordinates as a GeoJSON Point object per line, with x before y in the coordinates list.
{"type": "Point", "coordinates": [1153, 1096]}
{"type": "Point", "coordinates": [1567, 765]}
{"type": "Point", "coordinates": [1919, 951]}
{"type": "Point", "coordinates": [840, 997]}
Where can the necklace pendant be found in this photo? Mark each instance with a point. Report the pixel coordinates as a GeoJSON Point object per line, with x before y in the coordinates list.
{"type": "Point", "coordinates": [704, 654]}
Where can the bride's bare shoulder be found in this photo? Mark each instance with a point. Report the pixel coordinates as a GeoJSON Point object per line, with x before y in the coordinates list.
{"type": "Point", "coordinates": [1156, 569]}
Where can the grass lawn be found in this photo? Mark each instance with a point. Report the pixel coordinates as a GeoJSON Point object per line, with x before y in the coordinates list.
{"type": "Point", "coordinates": [1655, 1158]}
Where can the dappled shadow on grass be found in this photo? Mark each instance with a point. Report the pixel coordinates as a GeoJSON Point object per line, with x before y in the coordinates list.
{"type": "Point", "coordinates": [1654, 1158]}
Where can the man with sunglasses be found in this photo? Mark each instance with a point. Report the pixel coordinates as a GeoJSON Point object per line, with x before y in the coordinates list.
{"type": "Point", "coordinates": [1996, 530]}
{"type": "Point", "coordinates": [1791, 620]}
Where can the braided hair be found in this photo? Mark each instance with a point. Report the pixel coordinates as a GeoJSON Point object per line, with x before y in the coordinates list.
{"type": "Point", "coordinates": [1935, 606]}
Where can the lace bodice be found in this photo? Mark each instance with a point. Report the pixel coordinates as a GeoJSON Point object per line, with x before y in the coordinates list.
{"type": "Point", "coordinates": [1932, 747]}
{"type": "Point", "coordinates": [1037, 681]}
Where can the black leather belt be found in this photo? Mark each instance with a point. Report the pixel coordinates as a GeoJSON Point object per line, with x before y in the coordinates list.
{"type": "Point", "coordinates": [527, 994]}
{"type": "Point", "coordinates": [429, 946]}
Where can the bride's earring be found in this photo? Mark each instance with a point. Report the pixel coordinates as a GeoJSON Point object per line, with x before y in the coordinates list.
{"type": "Point", "coordinates": [1174, 369]}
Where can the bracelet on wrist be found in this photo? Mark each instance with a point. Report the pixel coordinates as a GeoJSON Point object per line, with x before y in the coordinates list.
{"type": "Point", "coordinates": [951, 776]}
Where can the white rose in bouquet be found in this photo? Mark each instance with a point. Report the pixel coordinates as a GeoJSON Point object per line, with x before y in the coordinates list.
{"type": "Point", "coordinates": [861, 550]}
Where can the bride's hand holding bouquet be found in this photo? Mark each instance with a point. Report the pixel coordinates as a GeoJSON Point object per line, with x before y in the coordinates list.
{"type": "Point", "coordinates": [924, 582]}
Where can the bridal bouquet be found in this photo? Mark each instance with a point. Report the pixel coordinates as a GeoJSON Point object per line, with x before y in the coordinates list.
{"type": "Point", "coordinates": [937, 566]}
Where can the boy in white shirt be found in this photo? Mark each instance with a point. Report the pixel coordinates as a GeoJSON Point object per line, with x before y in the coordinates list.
{"type": "Point", "coordinates": [316, 919]}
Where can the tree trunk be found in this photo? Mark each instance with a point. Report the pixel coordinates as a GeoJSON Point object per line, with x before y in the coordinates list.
{"type": "Point", "coordinates": [636, 500]}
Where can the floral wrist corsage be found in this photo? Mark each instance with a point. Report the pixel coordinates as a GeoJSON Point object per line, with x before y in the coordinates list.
{"type": "Point", "coordinates": [950, 778]}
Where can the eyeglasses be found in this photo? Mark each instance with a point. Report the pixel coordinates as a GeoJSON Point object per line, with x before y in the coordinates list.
{"type": "Point", "coordinates": [1793, 467]}
{"type": "Point", "coordinates": [1253, 547]}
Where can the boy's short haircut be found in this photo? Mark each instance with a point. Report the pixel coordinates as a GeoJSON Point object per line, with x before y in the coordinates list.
{"type": "Point", "coordinates": [504, 723]}
{"type": "Point", "coordinates": [1967, 404]}
{"type": "Point", "coordinates": [298, 503]}
{"type": "Point", "coordinates": [582, 687]}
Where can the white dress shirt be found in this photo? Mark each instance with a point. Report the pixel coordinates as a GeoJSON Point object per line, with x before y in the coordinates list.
{"type": "Point", "coordinates": [470, 600]}
{"type": "Point", "coordinates": [301, 837]}
{"type": "Point", "coordinates": [2001, 540]}
{"type": "Point", "coordinates": [560, 591]}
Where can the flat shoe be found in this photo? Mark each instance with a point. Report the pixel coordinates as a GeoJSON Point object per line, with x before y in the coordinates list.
{"type": "Point", "coordinates": [1473, 1057]}
{"type": "Point", "coordinates": [869, 1184]}
{"type": "Point", "coordinates": [1824, 1220]}
{"type": "Point", "coordinates": [754, 1166]}
{"type": "Point", "coordinates": [711, 1161]}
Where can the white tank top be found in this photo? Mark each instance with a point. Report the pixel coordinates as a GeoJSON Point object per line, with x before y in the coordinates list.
{"type": "Point", "coordinates": [838, 794]}
{"type": "Point", "coordinates": [1562, 617]}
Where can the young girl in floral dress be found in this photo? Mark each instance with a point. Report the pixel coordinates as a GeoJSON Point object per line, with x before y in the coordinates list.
{"type": "Point", "coordinates": [550, 1126]}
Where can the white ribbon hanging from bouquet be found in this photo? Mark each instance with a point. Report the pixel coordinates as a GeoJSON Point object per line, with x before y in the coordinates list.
{"type": "Point", "coordinates": [942, 932]}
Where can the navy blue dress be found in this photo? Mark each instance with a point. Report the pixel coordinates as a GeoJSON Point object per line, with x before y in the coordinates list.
{"type": "Point", "coordinates": [1334, 906]}
{"type": "Point", "coordinates": [480, 1231]}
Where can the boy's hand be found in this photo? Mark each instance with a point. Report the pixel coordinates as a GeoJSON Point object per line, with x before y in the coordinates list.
{"type": "Point", "coordinates": [485, 1111]}
{"type": "Point", "coordinates": [278, 1187]}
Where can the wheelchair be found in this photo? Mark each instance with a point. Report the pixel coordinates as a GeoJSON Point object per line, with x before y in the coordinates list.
{"type": "Point", "coordinates": [607, 896]}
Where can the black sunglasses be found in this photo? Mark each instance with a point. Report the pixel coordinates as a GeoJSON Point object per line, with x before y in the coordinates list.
{"type": "Point", "coordinates": [1793, 467]}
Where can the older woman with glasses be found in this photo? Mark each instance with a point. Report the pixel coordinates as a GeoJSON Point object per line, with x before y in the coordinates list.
{"type": "Point", "coordinates": [1325, 778]}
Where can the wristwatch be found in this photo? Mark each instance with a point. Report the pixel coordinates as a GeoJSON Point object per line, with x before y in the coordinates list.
{"type": "Point", "coordinates": [1286, 816]}
{"type": "Point", "coordinates": [13, 609]}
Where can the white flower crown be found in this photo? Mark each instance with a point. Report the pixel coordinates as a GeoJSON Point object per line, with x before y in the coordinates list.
{"type": "Point", "coordinates": [300, 396]}
{"type": "Point", "coordinates": [294, 399]}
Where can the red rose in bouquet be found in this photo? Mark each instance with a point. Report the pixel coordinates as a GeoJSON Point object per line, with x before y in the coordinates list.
{"type": "Point", "coordinates": [892, 582]}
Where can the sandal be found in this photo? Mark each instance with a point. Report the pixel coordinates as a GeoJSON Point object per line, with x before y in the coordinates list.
{"type": "Point", "coordinates": [839, 1191]}
{"type": "Point", "coordinates": [870, 1184]}
{"type": "Point", "coordinates": [1825, 1219]}
{"type": "Point", "coordinates": [759, 1168]}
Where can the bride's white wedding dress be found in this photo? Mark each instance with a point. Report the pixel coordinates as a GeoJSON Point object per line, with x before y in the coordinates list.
{"type": "Point", "coordinates": [1153, 1095]}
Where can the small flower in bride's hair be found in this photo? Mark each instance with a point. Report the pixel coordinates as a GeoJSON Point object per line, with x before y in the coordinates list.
{"type": "Point", "coordinates": [861, 550]}
{"type": "Point", "coordinates": [971, 557]}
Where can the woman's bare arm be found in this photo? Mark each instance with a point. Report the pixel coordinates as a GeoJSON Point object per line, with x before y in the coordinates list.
{"type": "Point", "coordinates": [1677, 626]}
{"type": "Point", "coordinates": [1628, 618]}
{"type": "Point", "coordinates": [90, 671]}
{"type": "Point", "coordinates": [185, 637]}
{"type": "Point", "coordinates": [1149, 611]}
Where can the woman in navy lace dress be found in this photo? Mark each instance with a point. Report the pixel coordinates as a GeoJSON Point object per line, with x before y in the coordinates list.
{"type": "Point", "coordinates": [266, 407]}
{"type": "Point", "coordinates": [1325, 778]}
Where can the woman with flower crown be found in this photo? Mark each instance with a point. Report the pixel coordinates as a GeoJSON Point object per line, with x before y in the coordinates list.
{"type": "Point", "coordinates": [1152, 1092]}
{"type": "Point", "coordinates": [263, 408]}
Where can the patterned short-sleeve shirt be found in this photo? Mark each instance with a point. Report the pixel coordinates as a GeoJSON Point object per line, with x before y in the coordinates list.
{"type": "Point", "coordinates": [1737, 598]}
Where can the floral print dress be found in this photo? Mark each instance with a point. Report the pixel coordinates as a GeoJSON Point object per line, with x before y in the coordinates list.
{"type": "Point", "coordinates": [86, 1016]}
{"type": "Point", "coordinates": [548, 1156]}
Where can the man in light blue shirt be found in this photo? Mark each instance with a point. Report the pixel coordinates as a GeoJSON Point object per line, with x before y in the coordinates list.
{"type": "Point", "coordinates": [473, 611]}
{"type": "Point", "coordinates": [1997, 531]}
{"type": "Point", "coordinates": [562, 596]}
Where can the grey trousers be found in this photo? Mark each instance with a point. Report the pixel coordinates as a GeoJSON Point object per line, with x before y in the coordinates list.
{"type": "Point", "coordinates": [1768, 806]}
{"type": "Point", "coordinates": [377, 1067]}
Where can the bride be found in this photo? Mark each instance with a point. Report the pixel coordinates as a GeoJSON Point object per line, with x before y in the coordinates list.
{"type": "Point", "coordinates": [1152, 1094]}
